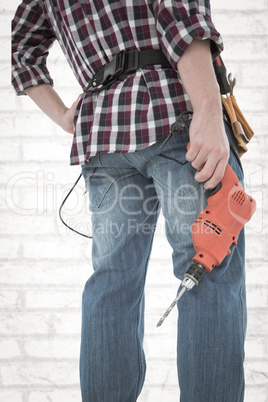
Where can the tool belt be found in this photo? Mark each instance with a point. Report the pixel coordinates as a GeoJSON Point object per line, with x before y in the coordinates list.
{"type": "Point", "coordinates": [241, 129]}
{"type": "Point", "coordinates": [123, 64]}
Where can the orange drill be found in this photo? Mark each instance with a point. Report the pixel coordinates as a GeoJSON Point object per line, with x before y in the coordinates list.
{"type": "Point", "coordinates": [216, 229]}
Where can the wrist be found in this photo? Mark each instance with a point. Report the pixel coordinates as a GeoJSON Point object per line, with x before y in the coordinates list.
{"type": "Point", "coordinates": [210, 104]}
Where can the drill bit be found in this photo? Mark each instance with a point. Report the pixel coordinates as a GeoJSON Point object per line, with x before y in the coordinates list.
{"type": "Point", "coordinates": [191, 278]}
{"type": "Point", "coordinates": [173, 304]}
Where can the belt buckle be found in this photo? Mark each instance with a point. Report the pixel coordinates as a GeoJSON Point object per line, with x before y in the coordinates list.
{"type": "Point", "coordinates": [132, 62]}
{"type": "Point", "coordinates": [121, 64]}
{"type": "Point", "coordinates": [113, 69]}
{"type": "Point", "coordinates": [120, 59]}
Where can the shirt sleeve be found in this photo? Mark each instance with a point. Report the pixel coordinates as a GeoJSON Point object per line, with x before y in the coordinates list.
{"type": "Point", "coordinates": [31, 39]}
{"type": "Point", "coordinates": [179, 22]}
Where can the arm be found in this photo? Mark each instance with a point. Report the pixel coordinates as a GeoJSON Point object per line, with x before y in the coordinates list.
{"type": "Point", "coordinates": [32, 37]}
{"type": "Point", "coordinates": [52, 105]}
{"type": "Point", "coordinates": [188, 37]}
{"type": "Point", "coordinates": [209, 147]}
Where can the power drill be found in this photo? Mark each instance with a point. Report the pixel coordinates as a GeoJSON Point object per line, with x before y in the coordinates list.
{"type": "Point", "coordinates": [216, 229]}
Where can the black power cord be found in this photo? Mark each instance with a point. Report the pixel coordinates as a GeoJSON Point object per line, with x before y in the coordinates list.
{"type": "Point", "coordinates": [60, 209]}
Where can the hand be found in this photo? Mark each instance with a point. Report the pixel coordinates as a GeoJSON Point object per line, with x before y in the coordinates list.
{"type": "Point", "coordinates": [209, 148]}
{"type": "Point", "coordinates": [52, 105]}
{"type": "Point", "coordinates": [68, 117]}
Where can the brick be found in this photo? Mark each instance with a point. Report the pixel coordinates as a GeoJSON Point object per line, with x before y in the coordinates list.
{"type": "Point", "coordinates": [4, 25]}
{"type": "Point", "coordinates": [161, 347]}
{"type": "Point", "coordinates": [10, 248]}
{"type": "Point", "coordinates": [10, 6]}
{"type": "Point", "coordinates": [246, 48]}
{"type": "Point", "coordinates": [9, 299]}
{"type": "Point", "coordinates": [256, 241]}
{"type": "Point", "coordinates": [162, 372]}
{"type": "Point", "coordinates": [53, 299]}
{"type": "Point", "coordinates": [256, 373]}
{"type": "Point", "coordinates": [59, 248]}
{"type": "Point", "coordinates": [255, 75]}
{"type": "Point", "coordinates": [257, 296]}
{"type": "Point", "coordinates": [13, 102]}
{"type": "Point", "coordinates": [251, 99]}
{"type": "Point", "coordinates": [6, 51]}
{"type": "Point", "coordinates": [238, 5]}
{"type": "Point", "coordinates": [30, 225]}
{"type": "Point", "coordinates": [5, 74]}
{"type": "Point", "coordinates": [41, 192]}
{"type": "Point", "coordinates": [68, 395]}
{"type": "Point", "coordinates": [257, 322]}
{"type": "Point", "coordinates": [242, 24]}
{"type": "Point", "coordinates": [22, 273]}
{"type": "Point", "coordinates": [55, 348]}
{"type": "Point", "coordinates": [25, 126]}
{"type": "Point", "coordinates": [9, 151]}
{"type": "Point", "coordinates": [158, 297]}
{"type": "Point", "coordinates": [255, 347]}
{"type": "Point", "coordinates": [50, 194]}
{"type": "Point", "coordinates": [40, 373]}
{"type": "Point", "coordinates": [67, 323]}
{"type": "Point", "coordinates": [257, 392]}
{"type": "Point", "coordinates": [24, 104]}
{"type": "Point", "coordinates": [8, 395]}
{"type": "Point", "coordinates": [158, 394]}
{"type": "Point", "coordinates": [160, 273]}
{"type": "Point", "coordinates": [57, 66]}
{"type": "Point", "coordinates": [255, 271]}
{"type": "Point", "coordinates": [46, 151]}
{"type": "Point", "coordinates": [15, 197]}
{"type": "Point", "coordinates": [259, 124]}
{"type": "Point", "coordinates": [9, 349]}
{"type": "Point", "coordinates": [25, 323]}
{"type": "Point", "coordinates": [56, 56]}
{"type": "Point", "coordinates": [34, 174]}
{"type": "Point", "coordinates": [169, 328]}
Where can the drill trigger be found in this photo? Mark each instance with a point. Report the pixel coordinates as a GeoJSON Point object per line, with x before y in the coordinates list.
{"type": "Point", "coordinates": [214, 190]}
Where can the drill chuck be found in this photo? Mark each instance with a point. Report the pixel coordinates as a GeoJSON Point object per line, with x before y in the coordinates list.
{"type": "Point", "coordinates": [194, 275]}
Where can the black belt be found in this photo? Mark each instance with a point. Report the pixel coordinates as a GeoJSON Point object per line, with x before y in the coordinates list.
{"type": "Point", "coordinates": [123, 64]}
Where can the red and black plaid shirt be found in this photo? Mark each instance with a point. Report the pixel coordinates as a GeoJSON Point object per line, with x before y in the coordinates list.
{"type": "Point", "coordinates": [131, 114]}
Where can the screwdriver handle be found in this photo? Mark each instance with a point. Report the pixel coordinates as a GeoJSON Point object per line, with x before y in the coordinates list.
{"type": "Point", "coordinates": [221, 75]}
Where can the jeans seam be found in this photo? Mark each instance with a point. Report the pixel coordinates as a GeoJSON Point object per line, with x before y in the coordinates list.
{"type": "Point", "coordinates": [141, 366]}
{"type": "Point", "coordinates": [244, 334]}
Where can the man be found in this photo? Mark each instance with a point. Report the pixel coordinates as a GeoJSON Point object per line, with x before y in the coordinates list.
{"type": "Point", "coordinates": [119, 133]}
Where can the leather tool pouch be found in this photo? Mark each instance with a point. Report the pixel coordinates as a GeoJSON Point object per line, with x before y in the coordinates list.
{"type": "Point", "coordinates": [241, 129]}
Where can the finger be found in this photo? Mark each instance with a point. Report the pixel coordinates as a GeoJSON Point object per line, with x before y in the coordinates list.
{"type": "Point", "coordinates": [192, 152]}
{"type": "Point", "coordinates": [206, 171]}
{"type": "Point", "coordinates": [200, 160]}
{"type": "Point", "coordinates": [217, 175]}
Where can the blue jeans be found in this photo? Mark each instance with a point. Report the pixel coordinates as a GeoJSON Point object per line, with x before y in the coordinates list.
{"type": "Point", "coordinates": [126, 192]}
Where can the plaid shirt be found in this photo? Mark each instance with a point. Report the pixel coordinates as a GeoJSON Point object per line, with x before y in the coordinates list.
{"type": "Point", "coordinates": [131, 114]}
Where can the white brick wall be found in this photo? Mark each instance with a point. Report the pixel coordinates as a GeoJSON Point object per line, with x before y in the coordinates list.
{"type": "Point", "coordinates": [43, 268]}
